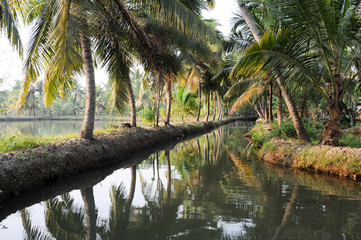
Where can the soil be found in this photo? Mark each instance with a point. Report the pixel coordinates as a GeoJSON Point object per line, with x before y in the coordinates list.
{"type": "Point", "coordinates": [25, 170]}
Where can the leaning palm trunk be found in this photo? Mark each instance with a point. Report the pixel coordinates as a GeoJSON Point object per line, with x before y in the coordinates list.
{"type": "Point", "coordinates": [133, 110]}
{"type": "Point", "coordinates": [88, 121]}
{"type": "Point", "coordinates": [297, 122]}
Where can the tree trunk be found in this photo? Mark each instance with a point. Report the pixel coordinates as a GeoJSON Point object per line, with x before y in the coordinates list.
{"type": "Point", "coordinates": [90, 212]}
{"type": "Point", "coordinates": [207, 115]}
{"type": "Point", "coordinates": [265, 108]}
{"type": "Point", "coordinates": [89, 115]}
{"type": "Point", "coordinates": [200, 101]}
{"type": "Point", "coordinates": [304, 104]}
{"type": "Point", "coordinates": [332, 128]}
{"type": "Point", "coordinates": [168, 87]}
{"type": "Point", "coordinates": [220, 107]}
{"type": "Point", "coordinates": [297, 122]}
{"type": "Point", "coordinates": [51, 116]}
{"type": "Point", "coordinates": [270, 104]}
{"type": "Point", "coordinates": [133, 109]}
{"type": "Point", "coordinates": [215, 108]}
{"type": "Point", "coordinates": [157, 112]}
{"type": "Point", "coordinates": [280, 107]}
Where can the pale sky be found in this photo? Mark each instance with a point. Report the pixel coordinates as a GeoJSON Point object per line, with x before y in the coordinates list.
{"type": "Point", "coordinates": [11, 65]}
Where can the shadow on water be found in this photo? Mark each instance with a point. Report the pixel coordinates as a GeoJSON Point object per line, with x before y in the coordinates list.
{"type": "Point", "coordinates": [211, 187]}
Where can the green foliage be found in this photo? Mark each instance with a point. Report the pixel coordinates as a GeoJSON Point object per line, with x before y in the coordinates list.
{"type": "Point", "coordinates": [351, 140]}
{"type": "Point", "coordinates": [356, 165]}
{"type": "Point", "coordinates": [147, 115]}
{"type": "Point", "coordinates": [286, 131]}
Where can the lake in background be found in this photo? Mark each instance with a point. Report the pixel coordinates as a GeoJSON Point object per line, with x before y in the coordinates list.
{"type": "Point", "coordinates": [210, 187]}
{"type": "Point", "coordinates": [44, 128]}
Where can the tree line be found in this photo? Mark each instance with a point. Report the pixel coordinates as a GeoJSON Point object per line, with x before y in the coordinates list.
{"type": "Point", "coordinates": [306, 51]}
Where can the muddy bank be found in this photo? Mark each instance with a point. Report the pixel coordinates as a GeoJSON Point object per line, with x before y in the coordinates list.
{"type": "Point", "coordinates": [317, 159]}
{"type": "Point", "coordinates": [29, 169]}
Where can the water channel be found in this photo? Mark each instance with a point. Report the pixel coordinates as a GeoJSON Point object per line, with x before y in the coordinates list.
{"type": "Point", "coordinates": [210, 187]}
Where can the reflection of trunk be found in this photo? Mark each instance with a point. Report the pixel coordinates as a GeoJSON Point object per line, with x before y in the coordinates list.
{"type": "Point", "coordinates": [89, 115]}
{"type": "Point", "coordinates": [297, 122]}
{"type": "Point", "coordinates": [200, 101]}
{"type": "Point", "coordinates": [219, 143]}
{"type": "Point", "coordinates": [169, 176]}
{"type": "Point", "coordinates": [168, 87]}
{"type": "Point", "coordinates": [215, 108]}
{"type": "Point", "coordinates": [287, 217]}
{"type": "Point", "coordinates": [133, 110]}
{"type": "Point", "coordinates": [270, 105]}
{"type": "Point", "coordinates": [280, 107]}
{"type": "Point", "coordinates": [207, 151]}
{"type": "Point", "coordinates": [132, 184]}
{"type": "Point", "coordinates": [207, 115]}
{"type": "Point", "coordinates": [91, 217]}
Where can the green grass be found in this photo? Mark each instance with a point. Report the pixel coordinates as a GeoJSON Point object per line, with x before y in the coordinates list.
{"type": "Point", "coordinates": [16, 143]}
{"type": "Point", "coordinates": [350, 140]}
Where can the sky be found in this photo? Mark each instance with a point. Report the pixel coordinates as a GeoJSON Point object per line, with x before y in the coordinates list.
{"type": "Point", "coordinates": [11, 64]}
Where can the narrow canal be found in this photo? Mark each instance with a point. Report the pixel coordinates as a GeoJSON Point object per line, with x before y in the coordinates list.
{"type": "Point", "coordinates": [210, 187]}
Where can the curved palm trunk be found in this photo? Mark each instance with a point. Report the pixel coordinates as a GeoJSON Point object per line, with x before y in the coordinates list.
{"type": "Point", "coordinates": [297, 122]}
{"type": "Point", "coordinates": [88, 121]}
{"type": "Point", "coordinates": [200, 101]}
{"type": "Point", "coordinates": [90, 212]}
{"type": "Point", "coordinates": [168, 87]}
{"type": "Point", "coordinates": [133, 110]}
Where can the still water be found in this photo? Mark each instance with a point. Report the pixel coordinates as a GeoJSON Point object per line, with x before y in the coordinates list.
{"type": "Point", "coordinates": [211, 187]}
{"type": "Point", "coordinates": [45, 128]}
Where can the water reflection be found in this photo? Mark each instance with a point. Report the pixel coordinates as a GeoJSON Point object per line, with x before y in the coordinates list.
{"type": "Point", "coordinates": [207, 188]}
{"type": "Point", "coordinates": [45, 128]}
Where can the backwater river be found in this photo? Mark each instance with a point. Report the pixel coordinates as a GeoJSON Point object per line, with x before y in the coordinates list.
{"type": "Point", "coordinates": [46, 128]}
{"type": "Point", "coordinates": [209, 187]}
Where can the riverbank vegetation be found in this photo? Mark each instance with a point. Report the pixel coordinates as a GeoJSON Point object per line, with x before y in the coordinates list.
{"type": "Point", "coordinates": [306, 51]}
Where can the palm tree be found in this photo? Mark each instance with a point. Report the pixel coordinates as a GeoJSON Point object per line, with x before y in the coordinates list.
{"type": "Point", "coordinates": [252, 24]}
{"type": "Point", "coordinates": [320, 51]}
{"type": "Point", "coordinates": [8, 22]}
{"type": "Point", "coordinates": [64, 27]}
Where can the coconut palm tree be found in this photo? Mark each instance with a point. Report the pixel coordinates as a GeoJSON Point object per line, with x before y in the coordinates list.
{"type": "Point", "coordinates": [317, 44]}
{"type": "Point", "coordinates": [63, 28]}
{"type": "Point", "coordinates": [8, 22]}
{"type": "Point", "coordinates": [257, 34]}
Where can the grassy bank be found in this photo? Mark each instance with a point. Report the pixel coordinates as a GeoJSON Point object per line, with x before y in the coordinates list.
{"type": "Point", "coordinates": [277, 145]}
